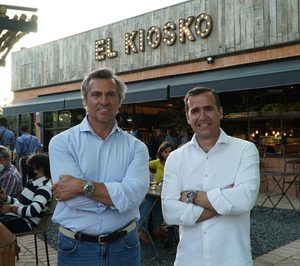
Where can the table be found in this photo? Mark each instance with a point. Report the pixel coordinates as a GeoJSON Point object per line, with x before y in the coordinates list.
{"type": "Point", "coordinates": [155, 193]}
{"type": "Point", "coordinates": [278, 177]}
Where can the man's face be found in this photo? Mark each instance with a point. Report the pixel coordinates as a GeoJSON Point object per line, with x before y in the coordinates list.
{"type": "Point", "coordinates": [203, 116]}
{"type": "Point", "coordinates": [102, 101]}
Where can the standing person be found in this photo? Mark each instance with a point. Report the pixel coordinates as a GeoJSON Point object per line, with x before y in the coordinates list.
{"type": "Point", "coordinates": [10, 178]}
{"type": "Point", "coordinates": [7, 137]}
{"type": "Point", "coordinates": [172, 137]}
{"type": "Point", "coordinates": [100, 175]}
{"type": "Point", "coordinates": [157, 138]}
{"type": "Point", "coordinates": [156, 167]}
{"type": "Point", "coordinates": [26, 144]}
{"type": "Point", "coordinates": [210, 186]}
{"type": "Point", "coordinates": [23, 214]}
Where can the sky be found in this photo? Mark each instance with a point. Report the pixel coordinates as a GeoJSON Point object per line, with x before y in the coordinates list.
{"type": "Point", "coordinates": [58, 19]}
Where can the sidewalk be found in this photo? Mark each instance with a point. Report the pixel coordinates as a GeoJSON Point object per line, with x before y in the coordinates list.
{"type": "Point", "coordinates": [288, 255]}
{"type": "Point", "coordinates": [27, 253]}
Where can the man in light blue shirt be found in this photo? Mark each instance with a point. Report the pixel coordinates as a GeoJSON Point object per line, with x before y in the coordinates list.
{"type": "Point", "coordinates": [100, 176]}
{"type": "Point", "coordinates": [27, 143]}
{"type": "Point", "coordinates": [7, 137]}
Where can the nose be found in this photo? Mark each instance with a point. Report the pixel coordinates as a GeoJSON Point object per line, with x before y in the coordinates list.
{"type": "Point", "coordinates": [202, 114]}
{"type": "Point", "coordinates": [103, 99]}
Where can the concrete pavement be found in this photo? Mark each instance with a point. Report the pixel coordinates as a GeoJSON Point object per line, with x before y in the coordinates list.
{"type": "Point", "coordinates": [288, 255]}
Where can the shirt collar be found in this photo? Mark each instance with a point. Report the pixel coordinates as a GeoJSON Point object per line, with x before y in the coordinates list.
{"type": "Point", "coordinates": [86, 126]}
{"type": "Point", "coordinates": [223, 138]}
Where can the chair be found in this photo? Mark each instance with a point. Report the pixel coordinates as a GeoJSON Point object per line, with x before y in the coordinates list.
{"type": "Point", "coordinates": [292, 166]}
{"type": "Point", "coordinates": [42, 228]}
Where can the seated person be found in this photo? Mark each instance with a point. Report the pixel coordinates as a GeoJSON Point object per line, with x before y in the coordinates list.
{"type": "Point", "coordinates": [157, 167]}
{"type": "Point", "coordinates": [24, 214]}
{"type": "Point", "coordinates": [10, 178]}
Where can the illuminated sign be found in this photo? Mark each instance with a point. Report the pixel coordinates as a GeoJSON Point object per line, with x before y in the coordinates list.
{"type": "Point", "coordinates": [136, 41]}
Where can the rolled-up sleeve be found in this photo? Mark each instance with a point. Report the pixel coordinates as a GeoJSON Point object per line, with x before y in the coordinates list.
{"type": "Point", "coordinates": [176, 212]}
{"type": "Point", "coordinates": [242, 195]}
{"type": "Point", "coordinates": [131, 191]}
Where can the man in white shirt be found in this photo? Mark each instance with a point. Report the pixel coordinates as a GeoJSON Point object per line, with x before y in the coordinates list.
{"type": "Point", "coordinates": [210, 186]}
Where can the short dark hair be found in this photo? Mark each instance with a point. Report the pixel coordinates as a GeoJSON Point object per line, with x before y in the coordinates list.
{"type": "Point", "coordinates": [40, 161]}
{"type": "Point", "coordinates": [3, 121]}
{"type": "Point", "coordinates": [162, 147]}
{"type": "Point", "coordinates": [199, 90]}
{"type": "Point", "coordinates": [103, 73]}
{"type": "Point", "coordinates": [24, 127]}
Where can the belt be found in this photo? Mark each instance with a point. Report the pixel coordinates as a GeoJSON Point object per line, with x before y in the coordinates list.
{"type": "Point", "coordinates": [100, 238]}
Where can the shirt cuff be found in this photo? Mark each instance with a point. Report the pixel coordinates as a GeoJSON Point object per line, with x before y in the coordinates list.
{"type": "Point", "coordinates": [217, 200]}
{"type": "Point", "coordinates": [191, 214]}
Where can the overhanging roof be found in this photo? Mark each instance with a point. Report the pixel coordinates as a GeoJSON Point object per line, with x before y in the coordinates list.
{"type": "Point", "coordinates": [279, 73]}
{"type": "Point", "coordinates": [138, 92]}
{"type": "Point", "coordinates": [254, 76]}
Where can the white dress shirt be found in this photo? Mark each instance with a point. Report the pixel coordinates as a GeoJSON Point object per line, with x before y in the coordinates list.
{"type": "Point", "coordinates": [120, 162]}
{"type": "Point", "coordinates": [229, 173]}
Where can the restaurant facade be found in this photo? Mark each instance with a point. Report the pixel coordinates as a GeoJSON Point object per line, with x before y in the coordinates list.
{"type": "Point", "coordinates": [248, 51]}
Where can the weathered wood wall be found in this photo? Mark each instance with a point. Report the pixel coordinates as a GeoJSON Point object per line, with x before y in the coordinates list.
{"type": "Point", "coordinates": [238, 25]}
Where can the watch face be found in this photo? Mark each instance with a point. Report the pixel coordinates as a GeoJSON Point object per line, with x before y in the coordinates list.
{"type": "Point", "coordinates": [191, 196]}
{"type": "Point", "coordinates": [88, 188]}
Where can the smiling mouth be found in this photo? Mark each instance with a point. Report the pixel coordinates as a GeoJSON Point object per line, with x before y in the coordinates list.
{"type": "Point", "coordinates": [203, 125]}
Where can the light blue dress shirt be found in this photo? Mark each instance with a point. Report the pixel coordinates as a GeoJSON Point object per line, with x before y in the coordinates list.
{"type": "Point", "coordinates": [8, 138]}
{"type": "Point", "coordinates": [26, 144]}
{"type": "Point", "coordinates": [120, 162]}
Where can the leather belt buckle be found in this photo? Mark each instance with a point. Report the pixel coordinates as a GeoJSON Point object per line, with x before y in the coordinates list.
{"type": "Point", "coordinates": [101, 239]}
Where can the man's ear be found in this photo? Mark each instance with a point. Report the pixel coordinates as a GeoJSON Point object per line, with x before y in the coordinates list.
{"type": "Point", "coordinates": [187, 118]}
{"type": "Point", "coordinates": [221, 113]}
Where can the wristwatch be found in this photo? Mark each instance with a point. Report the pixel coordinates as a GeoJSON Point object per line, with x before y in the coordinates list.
{"type": "Point", "coordinates": [191, 195]}
{"type": "Point", "coordinates": [88, 188]}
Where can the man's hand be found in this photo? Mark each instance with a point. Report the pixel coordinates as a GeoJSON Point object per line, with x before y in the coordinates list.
{"type": "Point", "coordinates": [183, 196]}
{"type": "Point", "coordinates": [68, 187]}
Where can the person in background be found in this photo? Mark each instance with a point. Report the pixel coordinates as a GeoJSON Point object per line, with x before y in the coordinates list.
{"type": "Point", "coordinates": [26, 144]}
{"type": "Point", "coordinates": [100, 176]}
{"type": "Point", "coordinates": [10, 178]}
{"type": "Point", "coordinates": [157, 138]}
{"type": "Point", "coordinates": [183, 137]}
{"type": "Point", "coordinates": [157, 168]}
{"type": "Point", "coordinates": [134, 132]}
{"type": "Point", "coordinates": [210, 186]}
{"type": "Point", "coordinates": [172, 137]}
{"type": "Point", "coordinates": [7, 137]}
{"type": "Point", "coordinates": [24, 213]}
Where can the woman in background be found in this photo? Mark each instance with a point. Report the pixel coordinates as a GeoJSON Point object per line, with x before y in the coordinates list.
{"type": "Point", "coordinates": [156, 167]}
{"type": "Point", "coordinates": [24, 214]}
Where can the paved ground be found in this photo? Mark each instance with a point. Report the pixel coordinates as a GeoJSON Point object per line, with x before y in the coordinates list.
{"type": "Point", "coordinates": [288, 255]}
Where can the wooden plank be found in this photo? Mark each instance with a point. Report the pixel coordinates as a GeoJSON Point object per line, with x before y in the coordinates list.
{"type": "Point", "coordinates": [258, 13]}
{"type": "Point", "coordinates": [273, 22]}
{"type": "Point", "coordinates": [293, 20]}
{"type": "Point", "coordinates": [281, 20]}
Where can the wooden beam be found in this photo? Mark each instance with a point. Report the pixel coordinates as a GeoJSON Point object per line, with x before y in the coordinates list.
{"type": "Point", "coordinates": [12, 24]}
{"type": "Point", "coordinates": [31, 9]}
